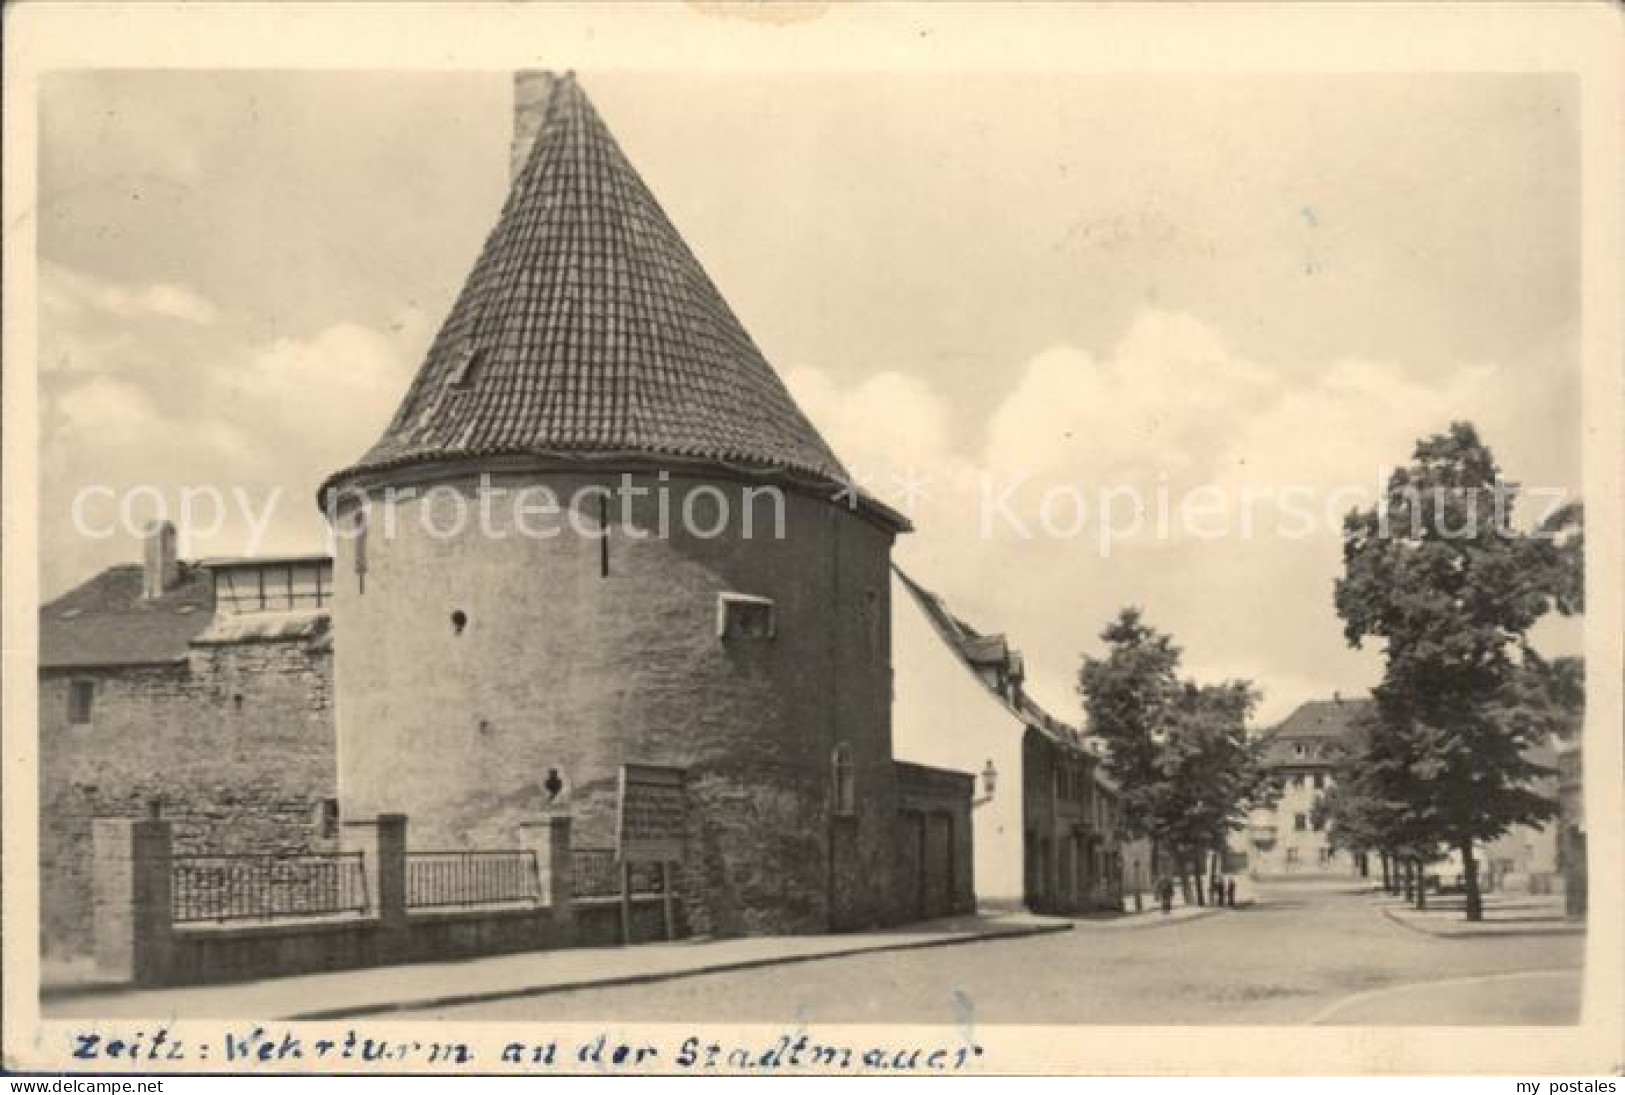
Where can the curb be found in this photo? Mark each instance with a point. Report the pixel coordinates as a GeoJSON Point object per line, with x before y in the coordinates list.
{"type": "Point", "coordinates": [75, 990]}
{"type": "Point", "coordinates": [1468, 933]}
{"type": "Point", "coordinates": [1323, 1017]}
{"type": "Point", "coordinates": [461, 999]}
{"type": "Point", "coordinates": [1146, 920]}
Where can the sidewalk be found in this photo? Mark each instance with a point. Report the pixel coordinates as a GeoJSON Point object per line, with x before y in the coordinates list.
{"type": "Point", "coordinates": [441, 984]}
{"type": "Point", "coordinates": [1504, 915]}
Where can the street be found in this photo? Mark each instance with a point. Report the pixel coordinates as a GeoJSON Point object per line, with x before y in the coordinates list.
{"type": "Point", "coordinates": [1300, 955]}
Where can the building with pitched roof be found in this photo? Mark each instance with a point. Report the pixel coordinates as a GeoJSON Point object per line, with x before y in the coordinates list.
{"type": "Point", "coordinates": [1046, 817]}
{"type": "Point", "coordinates": [692, 581]}
{"type": "Point", "coordinates": [199, 690]}
{"type": "Point", "coordinates": [1290, 837]}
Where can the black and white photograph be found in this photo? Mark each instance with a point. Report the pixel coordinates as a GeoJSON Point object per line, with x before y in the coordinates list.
{"type": "Point", "coordinates": [652, 541]}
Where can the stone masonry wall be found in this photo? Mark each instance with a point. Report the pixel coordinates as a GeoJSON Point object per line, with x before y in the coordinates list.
{"type": "Point", "coordinates": [238, 744]}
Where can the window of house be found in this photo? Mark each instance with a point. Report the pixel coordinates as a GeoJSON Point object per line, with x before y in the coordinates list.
{"type": "Point", "coordinates": [1300, 822]}
{"type": "Point", "coordinates": [1292, 855]}
{"type": "Point", "coordinates": [745, 617]}
{"type": "Point", "coordinates": [1320, 781]}
{"type": "Point", "coordinates": [846, 783]}
{"type": "Point", "coordinates": [81, 694]}
{"type": "Point", "coordinates": [1319, 823]}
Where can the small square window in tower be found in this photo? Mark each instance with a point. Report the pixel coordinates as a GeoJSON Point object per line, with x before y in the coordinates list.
{"type": "Point", "coordinates": [81, 695]}
{"type": "Point", "coordinates": [741, 616]}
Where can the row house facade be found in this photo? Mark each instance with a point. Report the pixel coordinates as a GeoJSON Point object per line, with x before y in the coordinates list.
{"type": "Point", "coordinates": [1045, 814]}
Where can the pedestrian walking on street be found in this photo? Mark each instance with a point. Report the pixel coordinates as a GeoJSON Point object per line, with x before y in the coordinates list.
{"type": "Point", "coordinates": [1230, 892]}
{"type": "Point", "coordinates": [1165, 894]}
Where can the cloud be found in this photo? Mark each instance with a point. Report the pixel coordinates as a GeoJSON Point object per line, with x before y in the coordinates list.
{"type": "Point", "coordinates": [321, 399]}
{"type": "Point", "coordinates": [1357, 419]}
{"type": "Point", "coordinates": [890, 425]}
{"type": "Point", "coordinates": [1169, 406]}
{"type": "Point", "coordinates": [176, 302]}
{"type": "Point", "coordinates": [193, 405]}
{"type": "Point", "coordinates": [72, 296]}
{"type": "Point", "coordinates": [108, 411]}
{"type": "Point", "coordinates": [1157, 403]}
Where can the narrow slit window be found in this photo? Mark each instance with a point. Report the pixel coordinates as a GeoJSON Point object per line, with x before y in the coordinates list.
{"type": "Point", "coordinates": [360, 537]}
{"type": "Point", "coordinates": [327, 818]}
{"type": "Point", "coordinates": [846, 783]}
{"type": "Point", "coordinates": [871, 623]}
{"type": "Point", "coordinates": [81, 696]}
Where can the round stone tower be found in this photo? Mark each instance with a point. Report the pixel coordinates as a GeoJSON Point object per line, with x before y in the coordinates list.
{"type": "Point", "coordinates": [598, 532]}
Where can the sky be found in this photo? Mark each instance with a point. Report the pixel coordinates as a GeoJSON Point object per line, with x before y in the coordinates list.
{"type": "Point", "coordinates": [1041, 285]}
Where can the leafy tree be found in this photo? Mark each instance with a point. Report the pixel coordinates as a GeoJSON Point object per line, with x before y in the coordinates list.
{"type": "Point", "coordinates": [1128, 697]}
{"type": "Point", "coordinates": [1548, 697]}
{"type": "Point", "coordinates": [1179, 751]}
{"type": "Point", "coordinates": [1351, 814]}
{"type": "Point", "coordinates": [1440, 573]}
{"type": "Point", "coordinates": [1212, 773]}
{"type": "Point", "coordinates": [1370, 807]}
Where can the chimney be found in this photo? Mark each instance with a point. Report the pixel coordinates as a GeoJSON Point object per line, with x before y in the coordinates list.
{"type": "Point", "coordinates": [532, 89]}
{"type": "Point", "coordinates": [161, 571]}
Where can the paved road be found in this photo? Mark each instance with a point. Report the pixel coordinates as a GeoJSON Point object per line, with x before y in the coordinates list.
{"type": "Point", "coordinates": [1298, 956]}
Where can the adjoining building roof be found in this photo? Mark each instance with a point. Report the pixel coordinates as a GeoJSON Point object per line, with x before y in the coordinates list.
{"type": "Point", "coordinates": [588, 330]}
{"type": "Point", "coordinates": [106, 622]}
{"type": "Point", "coordinates": [978, 652]}
{"type": "Point", "coordinates": [1334, 718]}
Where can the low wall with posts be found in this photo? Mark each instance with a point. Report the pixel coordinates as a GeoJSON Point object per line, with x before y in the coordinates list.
{"type": "Point", "coordinates": [163, 919]}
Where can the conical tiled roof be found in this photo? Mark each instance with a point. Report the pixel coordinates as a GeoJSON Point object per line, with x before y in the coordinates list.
{"type": "Point", "coordinates": [587, 328]}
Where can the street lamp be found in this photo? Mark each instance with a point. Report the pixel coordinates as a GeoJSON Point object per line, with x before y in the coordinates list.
{"type": "Point", "coordinates": [990, 783]}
